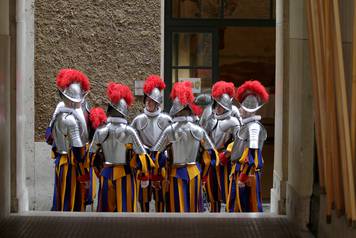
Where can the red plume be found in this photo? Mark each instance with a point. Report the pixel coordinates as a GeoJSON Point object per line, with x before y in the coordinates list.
{"type": "Point", "coordinates": [183, 91]}
{"type": "Point", "coordinates": [153, 81]}
{"type": "Point", "coordinates": [97, 117]}
{"type": "Point", "coordinates": [222, 87]}
{"type": "Point", "coordinates": [253, 86]}
{"type": "Point", "coordinates": [66, 77]}
{"type": "Point", "coordinates": [188, 84]}
{"type": "Point", "coordinates": [116, 92]}
{"type": "Point", "coordinates": [196, 109]}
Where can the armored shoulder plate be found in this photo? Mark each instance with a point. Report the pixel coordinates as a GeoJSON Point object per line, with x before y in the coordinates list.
{"type": "Point", "coordinates": [185, 146]}
{"type": "Point", "coordinates": [165, 138]}
{"type": "Point", "coordinates": [197, 132]}
{"type": "Point", "coordinates": [56, 111]}
{"type": "Point", "coordinates": [66, 132]}
{"type": "Point", "coordinates": [200, 135]}
{"type": "Point", "coordinates": [114, 150]}
{"type": "Point", "coordinates": [140, 122]}
{"type": "Point", "coordinates": [73, 127]}
{"type": "Point", "coordinates": [225, 132]}
{"type": "Point", "coordinates": [251, 135]}
{"type": "Point", "coordinates": [133, 138]}
{"type": "Point", "coordinates": [149, 128]}
{"type": "Point", "coordinates": [164, 120]}
{"type": "Point", "coordinates": [254, 132]}
{"type": "Point", "coordinates": [100, 135]}
{"type": "Point", "coordinates": [228, 123]}
{"type": "Point", "coordinates": [207, 120]}
{"type": "Point", "coordinates": [82, 117]}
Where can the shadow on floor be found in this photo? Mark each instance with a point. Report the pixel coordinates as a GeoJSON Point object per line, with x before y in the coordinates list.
{"type": "Point", "coordinates": [56, 224]}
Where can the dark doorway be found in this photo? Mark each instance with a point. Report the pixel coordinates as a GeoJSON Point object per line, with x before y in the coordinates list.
{"type": "Point", "coordinates": [211, 40]}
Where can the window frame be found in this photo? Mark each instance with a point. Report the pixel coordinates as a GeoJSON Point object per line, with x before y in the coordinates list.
{"type": "Point", "coordinates": [201, 25]}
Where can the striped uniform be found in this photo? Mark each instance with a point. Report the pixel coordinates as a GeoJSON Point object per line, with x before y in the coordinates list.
{"type": "Point", "coordinates": [246, 198]}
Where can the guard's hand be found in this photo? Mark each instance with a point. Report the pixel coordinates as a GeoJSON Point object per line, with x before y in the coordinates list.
{"type": "Point", "coordinates": [241, 184]}
{"type": "Point", "coordinates": [145, 183]}
{"type": "Point", "coordinates": [223, 159]}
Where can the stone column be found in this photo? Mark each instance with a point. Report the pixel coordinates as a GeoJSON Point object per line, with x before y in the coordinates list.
{"type": "Point", "coordinates": [278, 192]}
{"type": "Point", "coordinates": [300, 119]}
{"type": "Point", "coordinates": [24, 100]}
{"type": "Point", "coordinates": [4, 109]}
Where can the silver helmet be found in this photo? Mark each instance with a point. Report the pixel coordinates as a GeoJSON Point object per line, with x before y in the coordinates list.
{"type": "Point", "coordinates": [73, 92]}
{"type": "Point", "coordinates": [222, 93]}
{"type": "Point", "coordinates": [120, 97]}
{"type": "Point", "coordinates": [251, 103]}
{"type": "Point", "coordinates": [153, 87]}
{"type": "Point", "coordinates": [156, 95]}
{"type": "Point", "coordinates": [182, 92]}
{"type": "Point", "coordinates": [225, 101]}
{"type": "Point", "coordinates": [252, 95]}
{"type": "Point", "coordinates": [121, 107]}
{"type": "Point", "coordinates": [176, 107]}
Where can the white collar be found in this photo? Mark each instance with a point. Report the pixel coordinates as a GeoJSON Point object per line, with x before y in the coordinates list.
{"type": "Point", "coordinates": [251, 118]}
{"type": "Point", "coordinates": [183, 118]}
{"type": "Point", "coordinates": [152, 114]}
{"type": "Point", "coordinates": [117, 120]}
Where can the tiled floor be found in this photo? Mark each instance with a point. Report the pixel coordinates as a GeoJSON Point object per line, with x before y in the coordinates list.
{"type": "Point", "coordinates": [48, 225]}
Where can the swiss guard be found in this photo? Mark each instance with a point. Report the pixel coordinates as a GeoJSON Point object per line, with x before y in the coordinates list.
{"type": "Point", "coordinates": [222, 128]}
{"type": "Point", "coordinates": [68, 134]}
{"type": "Point", "coordinates": [119, 152]}
{"type": "Point", "coordinates": [149, 126]}
{"type": "Point", "coordinates": [246, 155]}
{"type": "Point", "coordinates": [185, 142]}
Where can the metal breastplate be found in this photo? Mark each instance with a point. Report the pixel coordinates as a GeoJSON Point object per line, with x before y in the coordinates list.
{"type": "Point", "coordinates": [223, 132]}
{"type": "Point", "coordinates": [150, 128]}
{"type": "Point", "coordinates": [186, 143]}
{"type": "Point", "coordinates": [251, 135]}
{"type": "Point", "coordinates": [66, 132]}
{"type": "Point", "coordinates": [83, 117]}
{"type": "Point", "coordinates": [114, 146]}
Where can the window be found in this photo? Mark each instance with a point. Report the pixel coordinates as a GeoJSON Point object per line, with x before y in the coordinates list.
{"type": "Point", "coordinates": [219, 9]}
{"type": "Point", "coordinates": [192, 57]}
{"type": "Point", "coordinates": [197, 37]}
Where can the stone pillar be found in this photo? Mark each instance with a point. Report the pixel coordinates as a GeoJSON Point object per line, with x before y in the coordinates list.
{"type": "Point", "coordinates": [4, 109]}
{"type": "Point", "coordinates": [24, 100]}
{"type": "Point", "coordinates": [300, 120]}
{"type": "Point", "coordinates": [278, 192]}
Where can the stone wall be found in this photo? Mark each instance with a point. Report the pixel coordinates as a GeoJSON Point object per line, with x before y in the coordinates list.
{"type": "Point", "coordinates": [111, 40]}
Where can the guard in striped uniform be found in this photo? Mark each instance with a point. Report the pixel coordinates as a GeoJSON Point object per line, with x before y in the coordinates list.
{"type": "Point", "coordinates": [69, 137]}
{"type": "Point", "coordinates": [246, 155]}
{"type": "Point", "coordinates": [122, 152]}
{"type": "Point", "coordinates": [184, 141]}
{"type": "Point", "coordinates": [149, 126]}
{"type": "Point", "coordinates": [222, 128]}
